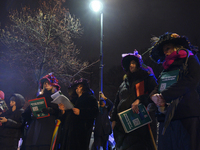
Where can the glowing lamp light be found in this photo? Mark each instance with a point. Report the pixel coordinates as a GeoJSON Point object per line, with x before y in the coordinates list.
{"type": "Point", "coordinates": [96, 5]}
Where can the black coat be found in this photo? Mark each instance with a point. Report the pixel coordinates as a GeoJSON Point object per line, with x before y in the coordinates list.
{"type": "Point", "coordinates": [102, 122]}
{"type": "Point", "coordinates": [189, 106]}
{"type": "Point", "coordinates": [126, 95]}
{"type": "Point", "coordinates": [188, 109]}
{"type": "Point", "coordinates": [11, 131]}
{"type": "Point", "coordinates": [39, 134]}
{"type": "Point", "coordinates": [75, 131]}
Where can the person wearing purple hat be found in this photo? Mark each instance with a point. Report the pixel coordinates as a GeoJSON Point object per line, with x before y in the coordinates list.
{"type": "Point", "coordinates": [77, 123]}
{"type": "Point", "coordinates": [40, 131]}
{"type": "Point", "coordinates": [176, 95]}
{"type": "Point", "coordinates": [138, 83]}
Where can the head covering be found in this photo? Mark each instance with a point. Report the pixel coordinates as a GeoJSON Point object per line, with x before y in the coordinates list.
{"type": "Point", "coordinates": [19, 100]}
{"type": "Point", "coordinates": [82, 81]}
{"type": "Point", "coordinates": [2, 94]}
{"type": "Point", "coordinates": [156, 51]}
{"type": "Point", "coordinates": [52, 81]}
{"type": "Point", "coordinates": [127, 58]}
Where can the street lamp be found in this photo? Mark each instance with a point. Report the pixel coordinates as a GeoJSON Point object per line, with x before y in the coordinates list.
{"type": "Point", "coordinates": [97, 6]}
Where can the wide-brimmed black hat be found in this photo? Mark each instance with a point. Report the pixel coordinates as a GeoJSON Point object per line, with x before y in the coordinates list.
{"type": "Point", "coordinates": [127, 58]}
{"type": "Point", "coordinates": [156, 51]}
{"type": "Point", "coordinates": [82, 81]}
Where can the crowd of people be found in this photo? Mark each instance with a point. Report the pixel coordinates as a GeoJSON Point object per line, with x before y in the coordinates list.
{"type": "Point", "coordinates": [172, 100]}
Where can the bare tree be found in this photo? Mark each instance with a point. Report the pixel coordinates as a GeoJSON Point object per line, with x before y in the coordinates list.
{"type": "Point", "coordinates": [40, 41]}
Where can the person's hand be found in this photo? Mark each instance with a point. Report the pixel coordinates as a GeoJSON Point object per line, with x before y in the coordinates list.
{"type": "Point", "coordinates": [158, 99]}
{"type": "Point", "coordinates": [3, 119]}
{"type": "Point", "coordinates": [155, 98]}
{"type": "Point", "coordinates": [113, 124]}
{"type": "Point", "coordinates": [42, 91]}
{"type": "Point", "coordinates": [161, 101]}
{"type": "Point", "coordinates": [102, 95]}
{"type": "Point", "coordinates": [134, 106]}
{"type": "Point", "coordinates": [61, 107]}
{"type": "Point", "coordinates": [76, 111]}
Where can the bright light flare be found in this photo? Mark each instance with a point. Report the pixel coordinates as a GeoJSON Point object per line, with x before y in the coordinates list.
{"type": "Point", "coordinates": [96, 5]}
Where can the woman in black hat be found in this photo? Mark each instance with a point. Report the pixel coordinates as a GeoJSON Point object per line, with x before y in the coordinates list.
{"type": "Point", "coordinates": [77, 123]}
{"type": "Point", "coordinates": [134, 90]}
{"type": "Point", "coordinates": [176, 95]}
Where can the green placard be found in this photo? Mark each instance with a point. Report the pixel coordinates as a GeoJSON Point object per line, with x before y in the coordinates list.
{"type": "Point", "coordinates": [167, 79]}
{"type": "Point", "coordinates": [132, 121]}
{"type": "Point", "coordinates": [37, 105]}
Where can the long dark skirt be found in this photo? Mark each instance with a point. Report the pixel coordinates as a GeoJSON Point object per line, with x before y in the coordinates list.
{"type": "Point", "coordinates": [138, 139]}
{"type": "Point", "coordinates": [180, 135]}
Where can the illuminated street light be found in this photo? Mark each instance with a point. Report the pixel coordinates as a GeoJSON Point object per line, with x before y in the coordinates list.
{"type": "Point", "coordinates": [97, 6]}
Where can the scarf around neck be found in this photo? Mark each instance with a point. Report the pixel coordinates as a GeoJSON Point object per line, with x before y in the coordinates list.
{"type": "Point", "coordinates": [170, 58]}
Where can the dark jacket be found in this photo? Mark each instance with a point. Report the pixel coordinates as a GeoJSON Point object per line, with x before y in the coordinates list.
{"type": "Point", "coordinates": [76, 129]}
{"type": "Point", "coordinates": [11, 131]}
{"type": "Point", "coordinates": [45, 126]}
{"type": "Point", "coordinates": [184, 88]}
{"type": "Point", "coordinates": [102, 122]}
{"type": "Point", "coordinates": [126, 95]}
{"type": "Point", "coordinates": [12, 128]}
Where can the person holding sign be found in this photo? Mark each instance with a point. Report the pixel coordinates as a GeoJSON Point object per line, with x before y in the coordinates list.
{"type": "Point", "coordinates": [11, 123]}
{"type": "Point", "coordinates": [77, 123]}
{"type": "Point", "coordinates": [176, 96]}
{"type": "Point", "coordinates": [40, 131]}
{"type": "Point", "coordinates": [138, 83]}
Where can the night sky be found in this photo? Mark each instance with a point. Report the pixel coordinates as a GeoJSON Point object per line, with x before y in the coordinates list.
{"type": "Point", "coordinates": [128, 24]}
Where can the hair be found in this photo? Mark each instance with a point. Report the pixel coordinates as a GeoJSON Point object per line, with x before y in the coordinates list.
{"type": "Point", "coordinates": [19, 100]}
{"type": "Point", "coordinates": [72, 90]}
{"type": "Point", "coordinates": [176, 46]}
{"type": "Point", "coordinates": [44, 81]}
{"type": "Point", "coordinates": [85, 88]}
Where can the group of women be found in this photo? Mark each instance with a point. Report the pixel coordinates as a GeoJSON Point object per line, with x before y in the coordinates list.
{"type": "Point", "coordinates": [174, 96]}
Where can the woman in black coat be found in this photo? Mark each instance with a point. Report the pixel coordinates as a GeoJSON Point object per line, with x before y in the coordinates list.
{"type": "Point", "coordinates": [11, 124]}
{"type": "Point", "coordinates": [134, 90]}
{"type": "Point", "coordinates": [40, 131]}
{"type": "Point", "coordinates": [77, 123]}
{"type": "Point", "coordinates": [183, 131]}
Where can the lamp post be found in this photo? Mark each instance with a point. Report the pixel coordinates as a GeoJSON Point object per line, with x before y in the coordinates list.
{"type": "Point", "coordinates": [97, 6]}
